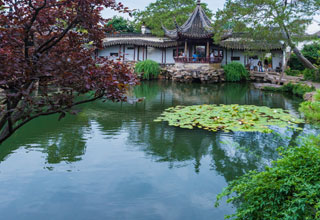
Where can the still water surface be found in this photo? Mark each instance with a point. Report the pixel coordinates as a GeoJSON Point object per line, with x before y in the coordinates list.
{"type": "Point", "coordinates": [111, 161]}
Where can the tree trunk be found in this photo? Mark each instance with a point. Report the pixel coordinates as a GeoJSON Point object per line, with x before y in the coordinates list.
{"type": "Point", "coordinates": [302, 59]}
{"type": "Point", "coordinates": [293, 47]}
{"type": "Point", "coordinates": [285, 65]}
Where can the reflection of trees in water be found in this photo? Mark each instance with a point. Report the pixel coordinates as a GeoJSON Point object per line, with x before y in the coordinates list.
{"type": "Point", "coordinates": [232, 154]}
{"type": "Point", "coordinates": [148, 90]}
{"type": "Point", "coordinates": [61, 141]}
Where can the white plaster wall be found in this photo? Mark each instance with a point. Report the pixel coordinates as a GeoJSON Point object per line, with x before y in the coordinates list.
{"type": "Point", "coordinates": [169, 54]}
{"type": "Point", "coordinates": [106, 52]}
{"type": "Point", "coordinates": [276, 59]}
{"type": "Point", "coordinates": [155, 54]}
{"type": "Point", "coordinates": [129, 53]}
{"type": "Point", "coordinates": [236, 53]}
{"type": "Point", "coordinates": [141, 58]}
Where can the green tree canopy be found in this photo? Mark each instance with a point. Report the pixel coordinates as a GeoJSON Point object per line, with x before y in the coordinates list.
{"type": "Point", "coordinates": [121, 24]}
{"type": "Point", "coordinates": [311, 52]}
{"type": "Point", "coordinates": [165, 12]}
{"type": "Point", "coordinates": [289, 189]}
{"type": "Point", "coordinates": [271, 20]}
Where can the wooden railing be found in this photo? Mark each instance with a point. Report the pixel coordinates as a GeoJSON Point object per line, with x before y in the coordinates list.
{"type": "Point", "coordinates": [198, 59]}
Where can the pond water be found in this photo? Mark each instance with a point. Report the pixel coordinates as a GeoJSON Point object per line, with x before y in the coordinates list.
{"type": "Point", "coordinates": [111, 161]}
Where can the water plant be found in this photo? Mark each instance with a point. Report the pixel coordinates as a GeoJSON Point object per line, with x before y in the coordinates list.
{"type": "Point", "coordinates": [227, 118]}
{"type": "Point", "coordinates": [289, 189]}
{"type": "Point", "coordinates": [149, 69]}
{"type": "Point", "coordinates": [235, 72]}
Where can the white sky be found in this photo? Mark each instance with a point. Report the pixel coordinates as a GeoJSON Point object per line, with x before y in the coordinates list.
{"type": "Point", "coordinates": [212, 4]}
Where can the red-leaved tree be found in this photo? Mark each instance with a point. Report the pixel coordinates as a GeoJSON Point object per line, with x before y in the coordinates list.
{"type": "Point", "coordinates": [47, 59]}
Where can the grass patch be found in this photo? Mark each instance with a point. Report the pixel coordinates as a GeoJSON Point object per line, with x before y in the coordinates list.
{"type": "Point", "coordinates": [149, 69]}
{"type": "Point", "coordinates": [235, 72]}
{"type": "Point", "coordinates": [296, 89]}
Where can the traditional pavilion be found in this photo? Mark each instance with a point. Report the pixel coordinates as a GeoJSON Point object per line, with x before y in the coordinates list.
{"type": "Point", "coordinates": [196, 35]}
{"type": "Point", "coordinates": [190, 43]}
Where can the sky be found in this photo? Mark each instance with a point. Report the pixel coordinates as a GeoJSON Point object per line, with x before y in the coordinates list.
{"type": "Point", "coordinates": [214, 5]}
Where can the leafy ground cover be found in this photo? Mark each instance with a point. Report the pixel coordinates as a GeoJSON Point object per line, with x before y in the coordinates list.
{"type": "Point", "coordinates": [296, 89]}
{"type": "Point", "coordinates": [290, 189]}
{"type": "Point", "coordinates": [311, 109]}
{"type": "Point", "coordinates": [228, 118]}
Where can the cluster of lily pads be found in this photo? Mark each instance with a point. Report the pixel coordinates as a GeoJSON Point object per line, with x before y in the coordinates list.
{"type": "Point", "coordinates": [228, 118]}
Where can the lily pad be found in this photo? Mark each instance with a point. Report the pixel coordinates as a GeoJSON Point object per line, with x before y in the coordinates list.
{"type": "Point", "coordinates": [227, 118]}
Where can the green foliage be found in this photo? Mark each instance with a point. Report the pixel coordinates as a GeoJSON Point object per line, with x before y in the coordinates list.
{"type": "Point", "coordinates": [121, 25]}
{"type": "Point", "coordinates": [309, 74]}
{"type": "Point", "coordinates": [266, 21]}
{"type": "Point", "coordinates": [148, 68]}
{"type": "Point", "coordinates": [309, 51]}
{"type": "Point", "coordinates": [294, 63]}
{"type": "Point", "coordinates": [311, 109]}
{"type": "Point", "coordinates": [316, 97]}
{"type": "Point", "coordinates": [295, 89]}
{"type": "Point", "coordinates": [298, 89]}
{"type": "Point", "coordinates": [290, 189]}
{"type": "Point", "coordinates": [291, 72]}
{"type": "Point", "coordinates": [227, 118]}
{"type": "Point", "coordinates": [165, 12]}
{"type": "Point", "coordinates": [235, 72]}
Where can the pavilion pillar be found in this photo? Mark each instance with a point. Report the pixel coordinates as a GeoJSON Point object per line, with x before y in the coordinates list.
{"type": "Point", "coordinates": [165, 55]}
{"type": "Point", "coordinates": [162, 56]}
{"type": "Point", "coordinates": [124, 53]}
{"type": "Point", "coordinates": [146, 52]}
{"type": "Point", "coordinates": [177, 51]}
{"type": "Point", "coordinates": [142, 53]}
{"type": "Point", "coordinates": [208, 49]}
{"type": "Point", "coordinates": [134, 53]}
{"type": "Point", "coordinates": [185, 48]}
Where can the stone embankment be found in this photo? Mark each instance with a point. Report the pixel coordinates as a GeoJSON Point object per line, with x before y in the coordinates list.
{"type": "Point", "coordinates": [206, 73]}
{"type": "Point", "coordinates": [200, 73]}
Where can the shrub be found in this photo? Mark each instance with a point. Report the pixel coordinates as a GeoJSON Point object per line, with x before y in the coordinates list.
{"type": "Point", "coordinates": [311, 110]}
{"type": "Point", "coordinates": [149, 69]}
{"type": "Point", "coordinates": [290, 189]}
{"type": "Point", "coordinates": [311, 52]}
{"type": "Point", "coordinates": [310, 74]}
{"type": "Point", "coordinates": [317, 96]}
{"type": "Point", "coordinates": [300, 90]}
{"type": "Point", "coordinates": [291, 72]}
{"type": "Point", "coordinates": [295, 89]}
{"type": "Point", "coordinates": [235, 72]}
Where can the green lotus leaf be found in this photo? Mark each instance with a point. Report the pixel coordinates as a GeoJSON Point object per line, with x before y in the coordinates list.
{"type": "Point", "coordinates": [248, 118]}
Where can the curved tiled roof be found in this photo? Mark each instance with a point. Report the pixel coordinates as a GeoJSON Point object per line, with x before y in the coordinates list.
{"type": "Point", "coordinates": [198, 26]}
{"type": "Point", "coordinates": [243, 44]}
{"type": "Point", "coordinates": [138, 40]}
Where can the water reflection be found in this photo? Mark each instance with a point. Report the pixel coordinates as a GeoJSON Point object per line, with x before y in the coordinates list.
{"type": "Point", "coordinates": [128, 167]}
{"type": "Point", "coordinates": [232, 154]}
{"type": "Point", "coordinates": [60, 142]}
